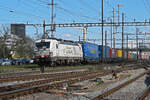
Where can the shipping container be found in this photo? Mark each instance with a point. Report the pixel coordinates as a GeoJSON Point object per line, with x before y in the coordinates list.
{"type": "Point", "coordinates": [107, 53]}
{"type": "Point", "coordinates": [90, 52]}
{"type": "Point", "coordinates": [144, 56]}
{"type": "Point", "coordinates": [134, 56]}
{"type": "Point", "coordinates": [119, 53]}
{"type": "Point", "coordinates": [129, 55]}
{"type": "Point", "coordinates": [113, 53]}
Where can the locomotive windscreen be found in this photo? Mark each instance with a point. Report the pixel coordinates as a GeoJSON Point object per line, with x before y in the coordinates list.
{"type": "Point", "coordinates": [43, 44]}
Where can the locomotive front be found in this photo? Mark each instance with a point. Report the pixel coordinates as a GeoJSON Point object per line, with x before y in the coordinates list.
{"type": "Point", "coordinates": [43, 53]}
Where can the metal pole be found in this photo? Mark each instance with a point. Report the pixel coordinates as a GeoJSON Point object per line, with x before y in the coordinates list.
{"type": "Point", "coordinates": [113, 28]}
{"type": "Point", "coordinates": [111, 32]}
{"type": "Point", "coordinates": [137, 30]}
{"type": "Point", "coordinates": [118, 14]}
{"type": "Point", "coordinates": [127, 47]}
{"type": "Point", "coordinates": [122, 35]}
{"type": "Point", "coordinates": [105, 44]}
{"type": "Point", "coordinates": [102, 17]}
{"type": "Point", "coordinates": [52, 17]}
{"type": "Point", "coordinates": [79, 38]}
{"type": "Point", "coordinates": [44, 34]}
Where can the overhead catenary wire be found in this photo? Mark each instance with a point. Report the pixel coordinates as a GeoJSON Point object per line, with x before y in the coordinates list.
{"type": "Point", "coordinates": [19, 12]}
{"type": "Point", "coordinates": [75, 14]}
{"type": "Point", "coordinates": [35, 6]}
{"type": "Point", "coordinates": [88, 6]}
{"type": "Point", "coordinates": [145, 5]}
{"type": "Point", "coordinates": [43, 1]}
{"type": "Point", "coordinates": [79, 14]}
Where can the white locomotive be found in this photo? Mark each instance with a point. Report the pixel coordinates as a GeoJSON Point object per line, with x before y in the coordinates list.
{"type": "Point", "coordinates": [56, 51]}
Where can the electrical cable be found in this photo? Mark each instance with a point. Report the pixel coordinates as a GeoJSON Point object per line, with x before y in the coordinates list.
{"type": "Point", "coordinates": [19, 12]}
{"type": "Point", "coordinates": [72, 13]}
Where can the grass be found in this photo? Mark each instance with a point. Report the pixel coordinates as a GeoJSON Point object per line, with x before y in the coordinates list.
{"type": "Point", "coordinates": [90, 67]}
{"type": "Point", "coordinates": [129, 75]}
{"type": "Point", "coordinates": [99, 83]}
{"type": "Point", "coordinates": [18, 68]}
{"type": "Point", "coordinates": [34, 67]}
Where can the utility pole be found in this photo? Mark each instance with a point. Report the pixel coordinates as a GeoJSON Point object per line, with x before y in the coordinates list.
{"type": "Point", "coordinates": [113, 28]}
{"type": "Point", "coordinates": [127, 46]}
{"type": "Point", "coordinates": [102, 19]}
{"type": "Point", "coordinates": [79, 38]}
{"type": "Point", "coordinates": [122, 35]}
{"type": "Point", "coordinates": [105, 44]}
{"type": "Point", "coordinates": [52, 18]}
{"type": "Point", "coordinates": [119, 5]}
{"type": "Point", "coordinates": [118, 14]}
{"type": "Point", "coordinates": [44, 33]}
{"type": "Point", "coordinates": [137, 31]}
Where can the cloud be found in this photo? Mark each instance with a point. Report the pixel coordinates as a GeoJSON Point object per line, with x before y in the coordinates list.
{"type": "Point", "coordinates": [67, 35]}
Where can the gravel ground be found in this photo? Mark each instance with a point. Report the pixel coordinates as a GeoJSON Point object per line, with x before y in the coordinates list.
{"type": "Point", "coordinates": [20, 82]}
{"type": "Point", "coordinates": [109, 84]}
{"type": "Point", "coordinates": [148, 97]}
{"type": "Point", "coordinates": [89, 89]}
{"type": "Point", "coordinates": [131, 91]}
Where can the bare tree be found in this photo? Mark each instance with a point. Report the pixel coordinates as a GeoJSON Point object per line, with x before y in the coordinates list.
{"type": "Point", "coordinates": [25, 48]}
{"type": "Point", "coordinates": [4, 51]}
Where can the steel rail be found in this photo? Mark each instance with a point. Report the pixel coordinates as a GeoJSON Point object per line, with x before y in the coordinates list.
{"type": "Point", "coordinates": [115, 89]}
{"type": "Point", "coordinates": [34, 77]}
{"type": "Point", "coordinates": [35, 89]}
{"type": "Point", "coordinates": [39, 82]}
{"type": "Point", "coordinates": [40, 76]}
{"type": "Point", "coordinates": [144, 94]}
{"type": "Point", "coordinates": [39, 88]}
{"type": "Point", "coordinates": [6, 75]}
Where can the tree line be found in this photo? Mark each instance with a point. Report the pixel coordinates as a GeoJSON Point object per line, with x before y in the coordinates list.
{"type": "Point", "coordinates": [20, 48]}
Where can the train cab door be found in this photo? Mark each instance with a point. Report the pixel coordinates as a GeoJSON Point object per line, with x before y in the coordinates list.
{"type": "Point", "coordinates": [57, 50]}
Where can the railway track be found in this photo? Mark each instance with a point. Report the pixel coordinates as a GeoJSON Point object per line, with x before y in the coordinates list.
{"type": "Point", "coordinates": [35, 89]}
{"type": "Point", "coordinates": [35, 77]}
{"type": "Point", "coordinates": [115, 89]}
{"type": "Point", "coordinates": [46, 76]}
{"type": "Point", "coordinates": [6, 75]}
{"type": "Point", "coordinates": [13, 91]}
{"type": "Point", "coordinates": [143, 95]}
{"type": "Point", "coordinates": [51, 78]}
{"type": "Point", "coordinates": [3, 75]}
{"type": "Point", "coordinates": [45, 81]}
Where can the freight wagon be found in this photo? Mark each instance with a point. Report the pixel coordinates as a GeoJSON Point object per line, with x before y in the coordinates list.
{"type": "Point", "coordinates": [119, 53]}
{"type": "Point", "coordinates": [113, 55]}
{"type": "Point", "coordinates": [90, 52]}
{"type": "Point", "coordinates": [106, 53]}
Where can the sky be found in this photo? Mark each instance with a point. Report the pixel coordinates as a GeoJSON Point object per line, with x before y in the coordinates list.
{"type": "Point", "coordinates": [68, 11]}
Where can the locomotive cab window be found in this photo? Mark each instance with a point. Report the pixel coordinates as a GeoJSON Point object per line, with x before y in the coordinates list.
{"type": "Point", "coordinates": [43, 44]}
